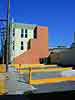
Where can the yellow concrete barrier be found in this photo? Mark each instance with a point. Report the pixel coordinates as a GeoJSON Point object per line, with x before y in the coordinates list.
{"type": "Point", "coordinates": [50, 69]}
{"type": "Point", "coordinates": [42, 70]}
{"type": "Point", "coordinates": [2, 68]}
{"type": "Point", "coordinates": [2, 86]}
{"type": "Point", "coordinates": [52, 80]}
{"type": "Point", "coordinates": [32, 65]}
{"type": "Point", "coordinates": [25, 65]}
{"type": "Point", "coordinates": [42, 65]}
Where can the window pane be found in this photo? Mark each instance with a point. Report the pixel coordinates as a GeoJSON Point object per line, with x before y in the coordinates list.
{"type": "Point", "coordinates": [22, 48]}
{"type": "Point", "coordinates": [22, 32]}
{"type": "Point", "coordinates": [29, 44]}
{"type": "Point", "coordinates": [25, 30]}
{"type": "Point", "coordinates": [25, 35]}
{"type": "Point", "coordinates": [13, 34]}
{"type": "Point", "coordinates": [35, 33]}
{"type": "Point", "coordinates": [21, 35]}
{"type": "Point", "coordinates": [13, 45]}
{"type": "Point", "coordinates": [21, 42]}
{"type": "Point", "coordinates": [13, 31]}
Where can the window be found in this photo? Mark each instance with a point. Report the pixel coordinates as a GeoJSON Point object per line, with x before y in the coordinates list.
{"type": "Point", "coordinates": [25, 35]}
{"type": "Point", "coordinates": [29, 44]}
{"type": "Point", "coordinates": [35, 33]}
{"type": "Point", "coordinates": [41, 60]}
{"type": "Point", "coordinates": [13, 45]}
{"type": "Point", "coordinates": [13, 34]}
{"type": "Point", "coordinates": [13, 31]}
{"type": "Point", "coordinates": [21, 42]}
{"type": "Point", "coordinates": [22, 32]}
{"type": "Point", "coordinates": [22, 47]}
{"type": "Point", "coordinates": [21, 35]}
{"type": "Point", "coordinates": [25, 30]}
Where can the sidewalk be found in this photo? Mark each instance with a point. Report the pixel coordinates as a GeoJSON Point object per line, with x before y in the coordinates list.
{"type": "Point", "coordinates": [14, 86]}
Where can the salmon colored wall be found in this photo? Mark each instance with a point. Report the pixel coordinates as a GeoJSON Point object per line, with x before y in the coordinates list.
{"type": "Point", "coordinates": [39, 48]}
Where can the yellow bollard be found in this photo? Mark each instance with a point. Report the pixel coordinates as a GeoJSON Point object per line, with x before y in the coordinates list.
{"type": "Point", "coordinates": [30, 74]}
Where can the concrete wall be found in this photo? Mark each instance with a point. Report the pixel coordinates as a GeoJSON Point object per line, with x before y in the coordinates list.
{"type": "Point", "coordinates": [66, 57]}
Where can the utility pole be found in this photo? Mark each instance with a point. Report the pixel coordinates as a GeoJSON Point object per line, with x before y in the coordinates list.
{"type": "Point", "coordinates": [7, 35]}
{"type": "Point", "coordinates": [74, 37]}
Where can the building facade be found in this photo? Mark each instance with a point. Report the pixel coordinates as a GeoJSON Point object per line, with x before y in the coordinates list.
{"type": "Point", "coordinates": [28, 43]}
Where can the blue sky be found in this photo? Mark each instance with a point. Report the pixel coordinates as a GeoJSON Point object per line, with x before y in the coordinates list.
{"type": "Point", "coordinates": [58, 15]}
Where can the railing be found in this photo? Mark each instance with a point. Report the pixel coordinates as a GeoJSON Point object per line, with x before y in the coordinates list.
{"type": "Point", "coordinates": [31, 69]}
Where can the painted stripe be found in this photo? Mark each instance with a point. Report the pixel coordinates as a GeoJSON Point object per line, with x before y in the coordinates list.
{"type": "Point", "coordinates": [50, 69]}
{"type": "Point", "coordinates": [32, 65]}
{"type": "Point", "coordinates": [52, 80]}
{"type": "Point", "coordinates": [42, 70]}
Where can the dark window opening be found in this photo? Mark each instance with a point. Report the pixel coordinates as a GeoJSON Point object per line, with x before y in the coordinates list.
{"type": "Point", "coordinates": [25, 30]}
{"type": "Point", "coordinates": [35, 33]}
{"type": "Point", "coordinates": [41, 60]}
{"type": "Point", "coordinates": [29, 45]}
{"type": "Point", "coordinates": [13, 47]}
{"type": "Point", "coordinates": [21, 35]}
{"type": "Point", "coordinates": [13, 34]}
{"type": "Point", "coordinates": [45, 60]}
{"type": "Point", "coordinates": [22, 32]}
{"type": "Point", "coordinates": [25, 35]}
{"type": "Point", "coordinates": [13, 31]}
{"type": "Point", "coordinates": [22, 47]}
{"type": "Point", "coordinates": [21, 42]}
